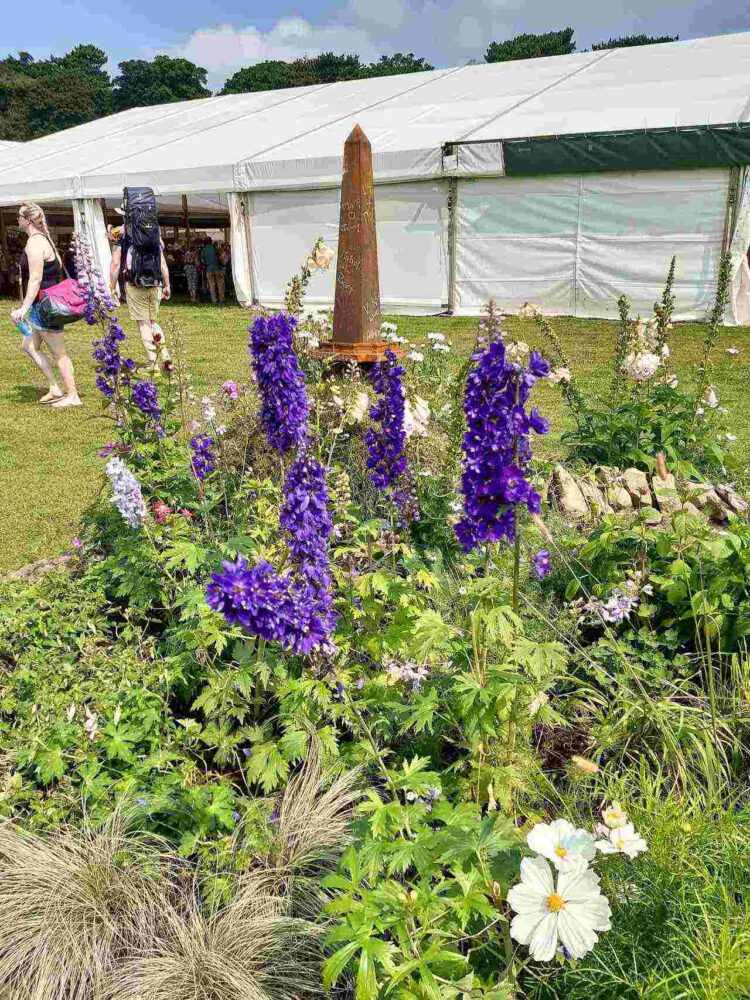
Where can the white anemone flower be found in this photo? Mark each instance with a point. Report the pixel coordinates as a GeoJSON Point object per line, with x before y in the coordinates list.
{"type": "Point", "coordinates": [614, 816]}
{"type": "Point", "coordinates": [642, 366]}
{"type": "Point", "coordinates": [561, 843]}
{"type": "Point", "coordinates": [436, 336]}
{"type": "Point", "coordinates": [517, 351]}
{"type": "Point", "coordinates": [623, 840]}
{"type": "Point", "coordinates": [416, 417]}
{"type": "Point", "coordinates": [561, 374]}
{"type": "Point", "coordinates": [571, 912]}
{"type": "Point", "coordinates": [357, 409]}
{"type": "Point", "coordinates": [415, 356]}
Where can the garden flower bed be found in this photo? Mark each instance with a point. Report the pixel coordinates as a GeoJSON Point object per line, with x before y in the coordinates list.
{"type": "Point", "coordinates": [329, 698]}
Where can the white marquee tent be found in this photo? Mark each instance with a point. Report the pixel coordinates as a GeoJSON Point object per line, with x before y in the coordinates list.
{"type": "Point", "coordinates": [563, 181]}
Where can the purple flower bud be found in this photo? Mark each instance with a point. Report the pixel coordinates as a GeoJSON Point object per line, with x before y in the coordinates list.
{"type": "Point", "coordinates": [541, 564]}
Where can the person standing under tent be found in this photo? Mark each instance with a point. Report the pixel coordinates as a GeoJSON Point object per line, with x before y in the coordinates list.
{"type": "Point", "coordinates": [191, 273]}
{"type": "Point", "coordinates": [214, 271]}
{"type": "Point", "coordinates": [143, 303]}
{"type": "Point", "coordinates": [42, 267]}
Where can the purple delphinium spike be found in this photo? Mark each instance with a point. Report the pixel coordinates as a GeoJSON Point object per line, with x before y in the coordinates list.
{"type": "Point", "coordinates": [203, 456]}
{"type": "Point", "coordinates": [496, 446]}
{"type": "Point", "coordinates": [112, 370]}
{"type": "Point", "coordinates": [281, 381]}
{"type": "Point", "coordinates": [385, 445]}
{"type": "Point", "coordinates": [305, 518]}
{"type": "Point", "coordinates": [146, 398]}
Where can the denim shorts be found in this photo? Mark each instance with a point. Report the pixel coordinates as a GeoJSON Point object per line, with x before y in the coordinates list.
{"type": "Point", "coordinates": [33, 317]}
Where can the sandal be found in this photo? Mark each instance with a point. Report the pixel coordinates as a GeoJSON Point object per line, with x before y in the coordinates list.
{"type": "Point", "coordinates": [50, 397]}
{"type": "Point", "coordinates": [65, 401]}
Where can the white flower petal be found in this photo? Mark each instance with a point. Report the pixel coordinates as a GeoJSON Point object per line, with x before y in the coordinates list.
{"type": "Point", "coordinates": [595, 913]}
{"type": "Point", "coordinates": [605, 846]}
{"type": "Point", "coordinates": [579, 884]}
{"type": "Point", "coordinates": [542, 840]}
{"type": "Point", "coordinates": [537, 875]}
{"type": "Point", "coordinates": [543, 942]}
{"type": "Point", "coordinates": [577, 937]}
{"type": "Point", "coordinates": [523, 899]}
{"type": "Point", "coordinates": [523, 925]}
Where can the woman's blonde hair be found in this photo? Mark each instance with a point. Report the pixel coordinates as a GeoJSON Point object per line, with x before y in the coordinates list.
{"type": "Point", "coordinates": [35, 214]}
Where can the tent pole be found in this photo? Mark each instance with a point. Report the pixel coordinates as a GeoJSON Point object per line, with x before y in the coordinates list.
{"type": "Point", "coordinates": [244, 200]}
{"type": "Point", "coordinates": [186, 219]}
{"type": "Point", "coordinates": [452, 242]}
{"type": "Point", "coordinates": [3, 235]}
{"type": "Point", "coordinates": [730, 218]}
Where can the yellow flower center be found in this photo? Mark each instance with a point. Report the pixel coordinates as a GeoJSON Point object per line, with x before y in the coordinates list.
{"type": "Point", "coordinates": [555, 903]}
{"type": "Point", "coordinates": [561, 852]}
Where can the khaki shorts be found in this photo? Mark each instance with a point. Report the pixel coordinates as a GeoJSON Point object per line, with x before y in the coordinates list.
{"type": "Point", "coordinates": [143, 303]}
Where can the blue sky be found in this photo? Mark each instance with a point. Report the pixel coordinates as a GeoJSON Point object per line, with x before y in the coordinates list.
{"type": "Point", "coordinates": [223, 35]}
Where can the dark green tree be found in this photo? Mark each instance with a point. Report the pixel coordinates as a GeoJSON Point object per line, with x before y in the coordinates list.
{"type": "Point", "coordinates": [42, 96]}
{"type": "Point", "coordinates": [399, 62]}
{"type": "Point", "coordinates": [552, 43]}
{"type": "Point", "coordinates": [630, 40]}
{"type": "Point", "coordinates": [161, 81]}
{"type": "Point", "coordinates": [273, 74]}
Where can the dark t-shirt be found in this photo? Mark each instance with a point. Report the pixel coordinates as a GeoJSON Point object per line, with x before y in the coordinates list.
{"type": "Point", "coordinates": [209, 257]}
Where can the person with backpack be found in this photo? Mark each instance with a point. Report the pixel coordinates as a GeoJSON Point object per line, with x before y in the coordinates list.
{"type": "Point", "coordinates": [139, 254]}
{"type": "Point", "coordinates": [41, 267]}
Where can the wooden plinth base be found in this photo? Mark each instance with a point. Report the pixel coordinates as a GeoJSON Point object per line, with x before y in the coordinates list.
{"type": "Point", "coordinates": [363, 353]}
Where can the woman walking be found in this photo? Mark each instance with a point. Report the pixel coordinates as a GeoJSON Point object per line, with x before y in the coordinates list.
{"type": "Point", "coordinates": [42, 266]}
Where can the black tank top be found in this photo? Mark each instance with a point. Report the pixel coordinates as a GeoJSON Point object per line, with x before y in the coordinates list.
{"type": "Point", "coordinates": [49, 273]}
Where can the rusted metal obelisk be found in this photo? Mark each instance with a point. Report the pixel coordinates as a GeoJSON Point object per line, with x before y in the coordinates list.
{"type": "Point", "coordinates": [356, 311]}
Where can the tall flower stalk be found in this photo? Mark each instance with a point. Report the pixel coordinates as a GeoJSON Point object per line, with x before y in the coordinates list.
{"type": "Point", "coordinates": [496, 449]}
{"type": "Point", "coordinates": [721, 301]}
{"type": "Point", "coordinates": [386, 443]}
{"type": "Point", "coordinates": [281, 382]}
{"type": "Point", "coordinates": [294, 607]}
{"type": "Point", "coordinates": [112, 370]}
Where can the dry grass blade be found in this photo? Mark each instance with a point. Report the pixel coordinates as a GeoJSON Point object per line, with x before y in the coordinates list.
{"type": "Point", "coordinates": [313, 828]}
{"type": "Point", "coordinates": [246, 951]}
{"type": "Point", "coordinates": [71, 905]}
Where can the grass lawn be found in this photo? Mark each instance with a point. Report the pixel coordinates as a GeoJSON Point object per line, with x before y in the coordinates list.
{"type": "Point", "coordinates": [50, 472]}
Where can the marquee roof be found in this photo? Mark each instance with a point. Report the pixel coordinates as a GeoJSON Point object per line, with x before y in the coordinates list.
{"type": "Point", "coordinates": [294, 138]}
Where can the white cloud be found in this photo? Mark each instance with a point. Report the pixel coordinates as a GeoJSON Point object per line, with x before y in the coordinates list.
{"type": "Point", "coordinates": [445, 32]}
{"type": "Point", "coordinates": [225, 48]}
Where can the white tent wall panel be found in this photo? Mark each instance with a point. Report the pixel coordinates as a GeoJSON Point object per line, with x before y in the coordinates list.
{"type": "Point", "coordinates": [412, 224]}
{"type": "Point", "coordinates": [740, 303]}
{"type": "Point", "coordinates": [88, 220]}
{"type": "Point", "coordinates": [573, 244]}
{"type": "Point", "coordinates": [516, 242]}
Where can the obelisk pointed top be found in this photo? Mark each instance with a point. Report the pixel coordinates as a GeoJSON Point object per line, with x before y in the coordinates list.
{"type": "Point", "coordinates": [357, 135]}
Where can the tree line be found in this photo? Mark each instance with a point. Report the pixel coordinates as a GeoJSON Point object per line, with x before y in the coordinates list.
{"type": "Point", "coordinates": [41, 96]}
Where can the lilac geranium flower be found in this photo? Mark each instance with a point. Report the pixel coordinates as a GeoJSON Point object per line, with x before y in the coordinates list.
{"type": "Point", "coordinates": [541, 564]}
{"type": "Point", "coordinates": [128, 497]}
